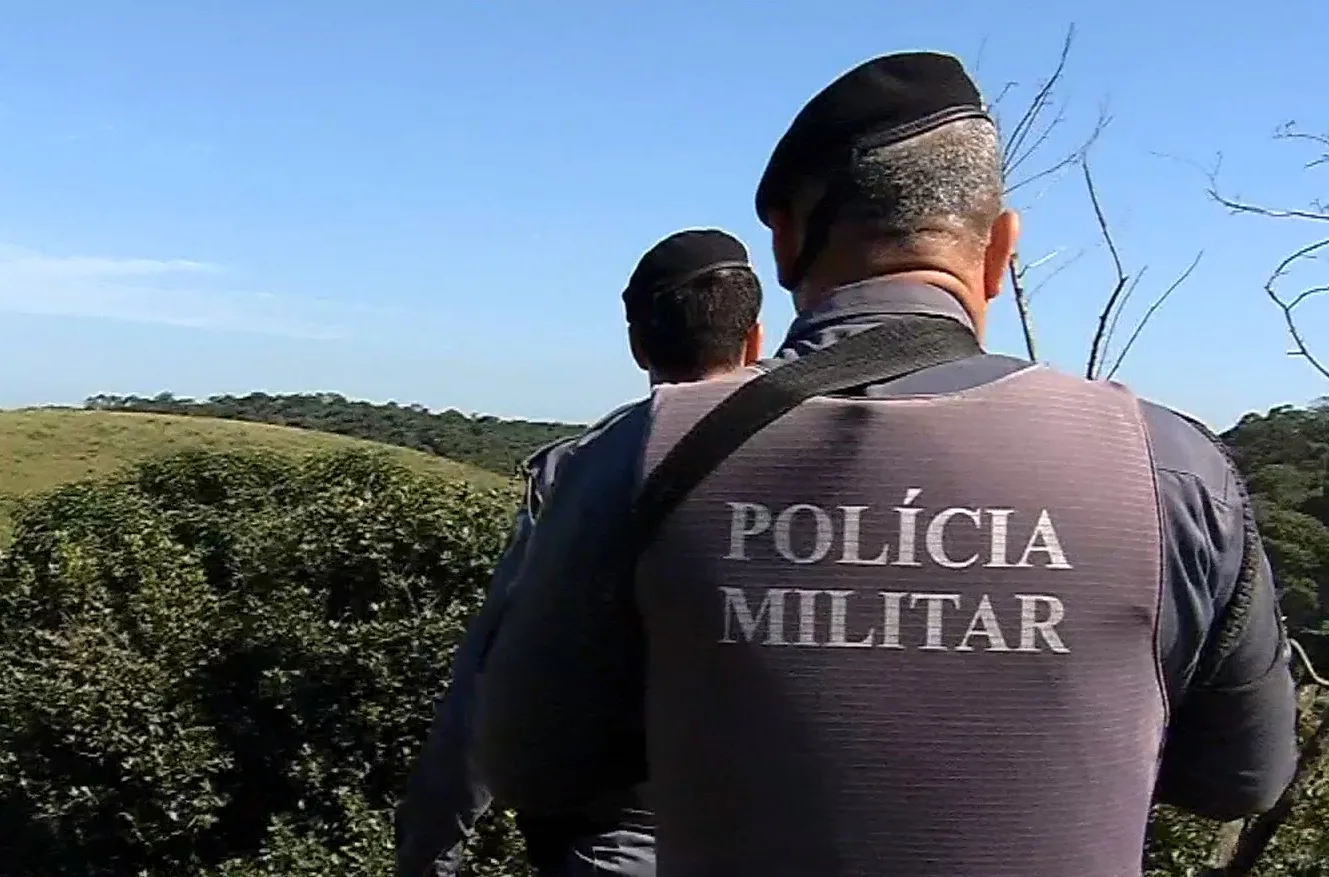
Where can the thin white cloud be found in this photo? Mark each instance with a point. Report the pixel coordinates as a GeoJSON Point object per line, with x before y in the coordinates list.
{"type": "Point", "coordinates": [17, 261]}
{"type": "Point", "coordinates": [173, 292]}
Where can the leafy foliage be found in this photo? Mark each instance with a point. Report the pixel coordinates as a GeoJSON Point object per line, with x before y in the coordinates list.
{"type": "Point", "coordinates": [488, 442]}
{"type": "Point", "coordinates": [1285, 457]}
{"type": "Point", "coordinates": [221, 664]}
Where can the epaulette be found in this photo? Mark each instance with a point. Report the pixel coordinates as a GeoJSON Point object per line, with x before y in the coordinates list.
{"type": "Point", "coordinates": [535, 470]}
{"type": "Point", "coordinates": [540, 467]}
{"type": "Point", "coordinates": [536, 459]}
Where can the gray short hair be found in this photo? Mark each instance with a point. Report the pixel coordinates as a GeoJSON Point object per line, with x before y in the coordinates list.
{"type": "Point", "coordinates": [946, 181]}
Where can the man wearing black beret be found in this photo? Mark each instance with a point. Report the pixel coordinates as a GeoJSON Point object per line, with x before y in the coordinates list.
{"type": "Point", "coordinates": [890, 604]}
{"type": "Point", "coordinates": [692, 307]}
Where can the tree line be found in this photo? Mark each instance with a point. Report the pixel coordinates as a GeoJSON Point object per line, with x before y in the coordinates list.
{"type": "Point", "coordinates": [488, 442]}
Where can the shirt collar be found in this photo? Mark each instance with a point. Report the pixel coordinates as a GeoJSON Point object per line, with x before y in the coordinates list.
{"type": "Point", "coordinates": [877, 297]}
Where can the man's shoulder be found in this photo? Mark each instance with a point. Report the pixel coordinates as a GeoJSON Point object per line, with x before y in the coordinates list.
{"type": "Point", "coordinates": [617, 434]}
{"type": "Point", "coordinates": [1183, 447]}
{"type": "Point", "coordinates": [545, 458]}
{"type": "Point", "coordinates": [622, 419]}
{"type": "Point", "coordinates": [1189, 460]}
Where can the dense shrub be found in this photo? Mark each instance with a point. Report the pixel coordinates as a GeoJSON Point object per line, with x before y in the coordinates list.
{"type": "Point", "coordinates": [223, 664]}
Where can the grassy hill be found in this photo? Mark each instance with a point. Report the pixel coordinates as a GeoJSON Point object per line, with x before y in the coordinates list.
{"type": "Point", "coordinates": [43, 448]}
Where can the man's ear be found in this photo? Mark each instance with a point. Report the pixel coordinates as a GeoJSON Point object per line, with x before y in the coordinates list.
{"type": "Point", "coordinates": [752, 345]}
{"type": "Point", "coordinates": [638, 354]}
{"type": "Point", "coordinates": [1002, 241]}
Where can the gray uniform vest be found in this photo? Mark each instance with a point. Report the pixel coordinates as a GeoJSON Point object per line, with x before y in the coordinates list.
{"type": "Point", "coordinates": [908, 637]}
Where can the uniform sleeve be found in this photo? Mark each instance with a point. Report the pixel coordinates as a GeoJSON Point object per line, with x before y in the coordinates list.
{"type": "Point", "coordinates": [444, 799]}
{"type": "Point", "coordinates": [559, 711]}
{"type": "Point", "coordinates": [1231, 744]}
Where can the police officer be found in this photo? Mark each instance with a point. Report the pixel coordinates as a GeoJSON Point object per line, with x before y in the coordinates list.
{"type": "Point", "coordinates": [890, 604]}
{"type": "Point", "coordinates": [691, 305]}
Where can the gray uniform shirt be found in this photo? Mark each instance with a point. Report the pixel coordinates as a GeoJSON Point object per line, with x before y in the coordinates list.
{"type": "Point", "coordinates": [560, 713]}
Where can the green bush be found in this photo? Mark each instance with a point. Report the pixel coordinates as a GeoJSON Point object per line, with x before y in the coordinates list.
{"type": "Point", "coordinates": [224, 664]}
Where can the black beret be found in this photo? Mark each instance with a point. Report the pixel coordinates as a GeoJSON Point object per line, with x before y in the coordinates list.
{"type": "Point", "coordinates": [681, 257]}
{"type": "Point", "coordinates": [879, 102]}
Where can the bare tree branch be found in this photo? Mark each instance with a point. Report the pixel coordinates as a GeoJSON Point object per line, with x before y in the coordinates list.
{"type": "Point", "coordinates": [1023, 297]}
{"type": "Point", "coordinates": [1014, 154]}
{"type": "Point", "coordinates": [1006, 89]}
{"type": "Point", "coordinates": [980, 54]}
{"type": "Point", "coordinates": [1124, 287]}
{"type": "Point", "coordinates": [1121, 309]}
{"type": "Point", "coordinates": [1024, 141]}
{"type": "Point", "coordinates": [1288, 308]}
{"type": "Point", "coordinates": [1041, 116]}
{"type": "Point", "coordinates": [1287, 305]}
{"type": "Point", "coordinates": [1043, 261]}
{"type": "Point", "coordinates": [1272, 212]}
{"type": "Point", "coordinates": [1096, 346]}
{"type": "Point", "coordinates": [1024, 145]}
{"type": "Point", "coordinates": [1153, 308]}
{"type": "Point", "coordinates": [1022, 306]}
{"type": "Point", "coordinates": [1288, 131]}
{"type": "Point", "coordinates": [1066, 161]}
{"type": "Point", "coordinates": [1307, 666]}
{"type": "Point", "coordinates": [1052, 275]}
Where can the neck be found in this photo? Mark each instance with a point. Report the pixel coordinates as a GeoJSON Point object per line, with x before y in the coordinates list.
{"type": "Point", "coordinates": [691, 377]}
{"type": "Point", "coordinates": [815, 291]}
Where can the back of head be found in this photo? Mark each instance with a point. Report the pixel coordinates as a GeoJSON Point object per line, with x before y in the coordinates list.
{"type": "Point", "coordinates": [942, 189]}
{"type": "Point", "coordinates": [692, 306]}
{"type": "Point", "coordinates": [895, 167]}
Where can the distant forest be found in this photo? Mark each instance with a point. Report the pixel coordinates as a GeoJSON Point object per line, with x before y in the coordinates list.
{"type": "Point", "coordinates": [487, 442]}
{"type": "Point", "coordinates": [1285, 457]}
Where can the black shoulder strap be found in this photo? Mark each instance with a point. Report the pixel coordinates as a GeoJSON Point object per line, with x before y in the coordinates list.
{"type": "Point", "coordinates": [883, 353]}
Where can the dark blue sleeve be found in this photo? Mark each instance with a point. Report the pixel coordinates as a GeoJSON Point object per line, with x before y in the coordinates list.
{"type": "Point", "coordinates": [559, 711]}
{"type": "Point", "coordinates": [444, 799]}
{"type": "Point", "coordinates": [1231, 742]}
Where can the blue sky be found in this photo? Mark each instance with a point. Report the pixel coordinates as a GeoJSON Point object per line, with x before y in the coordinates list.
{"type": "Point", "coordinates": [438, 201]}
